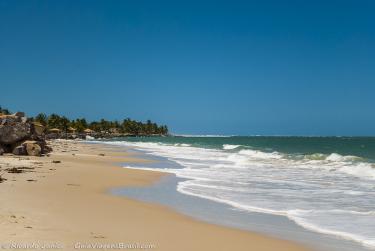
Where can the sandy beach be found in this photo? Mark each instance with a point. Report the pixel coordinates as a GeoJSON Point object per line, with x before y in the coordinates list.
{"type": "Point", "coordinates": [62, 201]}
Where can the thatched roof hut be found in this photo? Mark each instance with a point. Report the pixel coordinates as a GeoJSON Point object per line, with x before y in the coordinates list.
{"type": "Point", "coordinates": [88, 131]}
{"type": "Point", "coordinates": [54, 130]}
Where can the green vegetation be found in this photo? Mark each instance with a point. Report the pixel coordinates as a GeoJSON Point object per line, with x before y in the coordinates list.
{"type": "Point", "coordinates": [4, 111]}
{"type": "Point", "coordinates": [127, 126]}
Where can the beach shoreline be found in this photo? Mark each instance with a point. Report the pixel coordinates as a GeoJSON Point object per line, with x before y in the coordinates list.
{"type": "Point", "coordinates": [62, 201]}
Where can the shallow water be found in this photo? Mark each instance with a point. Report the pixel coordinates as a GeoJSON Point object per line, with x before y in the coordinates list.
{"type": "Point", "coordinates": [164, 192]}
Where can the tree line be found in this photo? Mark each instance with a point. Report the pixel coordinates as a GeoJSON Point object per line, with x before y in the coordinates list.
{"type": "Point", "coordinates": [126, 126]}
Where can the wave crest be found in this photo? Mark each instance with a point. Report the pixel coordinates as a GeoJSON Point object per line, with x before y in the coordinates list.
{"type": "Point", "coordinates": [230, 147]}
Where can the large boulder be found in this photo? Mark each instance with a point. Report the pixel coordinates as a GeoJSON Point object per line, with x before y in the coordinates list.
{"type": "Point", "coordinates": [13, 129]}
{"type": "Point", "coordinates": [32, 148]}
{"type": "Point", "coordinates": [20, 136]}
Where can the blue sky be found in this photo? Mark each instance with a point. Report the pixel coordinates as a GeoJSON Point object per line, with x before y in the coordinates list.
{"type": "Point", "coordinates": [202, 67]}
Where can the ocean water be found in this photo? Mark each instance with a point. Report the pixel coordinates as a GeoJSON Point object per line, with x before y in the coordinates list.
{"type": "Point", "coordinates": [324, 184]}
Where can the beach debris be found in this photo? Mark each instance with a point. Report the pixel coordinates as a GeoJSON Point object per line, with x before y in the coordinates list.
{"type": "Point", "coordinates": [56, 161]}
{"type": "Point", "coordinates": [101, 154]}
{"type": "Point", "coordinates": [97, 236]}
{"type": "Point", "coordinates": [23, 158]}
{"type": "Point", "coordinates": [71, 184]}
{"type": "Point", "coordinates": [26, 168]}
{"type": "Point", "coordinates": [14, 170]}
{"type": "Point", "coordinates": [1, 178]}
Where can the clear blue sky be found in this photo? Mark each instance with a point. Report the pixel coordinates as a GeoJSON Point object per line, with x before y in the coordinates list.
{"type": "Point", "coordinates": [202, 67]}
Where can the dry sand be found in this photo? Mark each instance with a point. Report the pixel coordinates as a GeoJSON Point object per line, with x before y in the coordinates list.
{"type": "Point", "coordinates": [67, 205]}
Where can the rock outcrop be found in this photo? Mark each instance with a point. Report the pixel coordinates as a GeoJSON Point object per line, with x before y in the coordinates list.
{"type": "Point", "coordinates": [20, 136]}
{"type": "Point", "coordinates": [13, 129]}
{"type": "Point", "coordinates": [33, 148]}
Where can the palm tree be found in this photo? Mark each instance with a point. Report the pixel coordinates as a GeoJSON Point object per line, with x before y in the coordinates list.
{"type": "Point", "coordinates": [53, 121]}
{"type": "Point", "coordinates": [41, 118]}
{"type": "Point", "coordinates": [64, 123]}
{"type": "Point", "coordinates": [4, 111]}
{"type": "Point", "coordinates": [128, 125]}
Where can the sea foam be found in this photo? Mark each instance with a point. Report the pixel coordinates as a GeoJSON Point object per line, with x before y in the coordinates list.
{"type": "Point", "coordinates": [327, 193]}
{"type": "Point", "coordinates": [230, 147]}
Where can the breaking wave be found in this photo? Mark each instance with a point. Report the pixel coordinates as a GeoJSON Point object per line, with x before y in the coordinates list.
{"type": "Point", "coordinates": [327, 193]}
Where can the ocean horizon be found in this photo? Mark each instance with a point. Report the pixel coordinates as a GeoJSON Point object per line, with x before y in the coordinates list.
{"type": "Point", "coordinates": [270, 135]}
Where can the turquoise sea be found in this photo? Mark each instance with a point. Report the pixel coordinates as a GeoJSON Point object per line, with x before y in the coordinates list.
{"type": "Point", "coordinates": [324, 184]}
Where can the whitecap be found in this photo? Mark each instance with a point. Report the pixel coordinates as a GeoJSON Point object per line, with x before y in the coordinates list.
{"type": "Point", "coordinates": [230, 147]}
